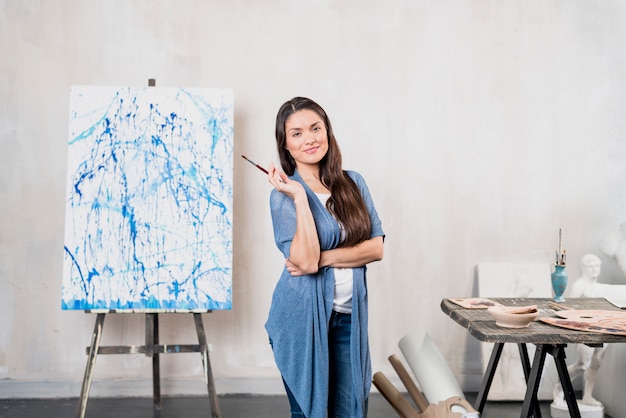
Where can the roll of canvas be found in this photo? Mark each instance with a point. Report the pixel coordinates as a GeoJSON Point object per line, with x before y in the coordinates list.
{"type": "Point", "coordinates": [430, 369]}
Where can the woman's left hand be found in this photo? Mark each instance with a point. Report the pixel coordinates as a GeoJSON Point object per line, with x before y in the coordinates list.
{"type": "Point", "coordinates": [293, 269]}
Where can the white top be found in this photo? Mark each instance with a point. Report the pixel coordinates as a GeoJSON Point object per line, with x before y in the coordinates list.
{"type": "Point", "coordinates": [343, 276]}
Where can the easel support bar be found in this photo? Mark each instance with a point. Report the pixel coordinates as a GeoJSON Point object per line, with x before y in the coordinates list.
{"type": "Point", "coordinates": [157, 349]}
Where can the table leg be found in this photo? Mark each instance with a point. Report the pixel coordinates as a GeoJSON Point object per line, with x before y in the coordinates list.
{"type": "Point", "coordinates": [523, 352]}
{"type": "Point", "coordinates": [481, 399]}
{"type": "Point", "coordinates": [533, 381]}
{"type": "Point", "coordinates": [566, 383]}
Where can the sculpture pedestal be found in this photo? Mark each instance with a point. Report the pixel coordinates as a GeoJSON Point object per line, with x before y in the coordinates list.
{"type": "Point", "coordinates": [558, 410]}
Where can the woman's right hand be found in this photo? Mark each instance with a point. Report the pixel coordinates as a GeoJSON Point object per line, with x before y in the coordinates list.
{"type": "Point", "coordinates": [283, 184]}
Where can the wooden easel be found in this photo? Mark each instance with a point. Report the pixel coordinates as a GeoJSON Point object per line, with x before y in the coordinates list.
{"type": "Point", "coordinates": [152, 348]}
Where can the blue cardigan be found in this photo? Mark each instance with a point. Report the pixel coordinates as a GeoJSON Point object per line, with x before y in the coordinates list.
{"type": "Point", "coordinates": [301, 307]}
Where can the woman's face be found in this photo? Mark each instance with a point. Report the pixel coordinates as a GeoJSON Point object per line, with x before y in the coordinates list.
{"type": "Point", "coordinates": [307, 138]}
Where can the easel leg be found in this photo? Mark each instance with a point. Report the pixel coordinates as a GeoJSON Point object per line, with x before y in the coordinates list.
{"type": "Point", "coordinates": [91, 363]}
{"type": "Point", "coordinates": [152, 339]}
{"type": "Point", "coordinates": [208, 372]}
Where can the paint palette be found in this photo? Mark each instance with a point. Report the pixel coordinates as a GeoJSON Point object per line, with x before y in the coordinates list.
{"type": "Point", "coordinates": [602, 321]}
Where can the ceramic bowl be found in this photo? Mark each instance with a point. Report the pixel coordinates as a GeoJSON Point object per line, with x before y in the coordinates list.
{"type": "Point", "coordinates": [513, 316]}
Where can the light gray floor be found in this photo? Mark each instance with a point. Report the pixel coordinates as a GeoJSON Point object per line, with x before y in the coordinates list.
{"type": "Point", "coordinates": [196, 407]}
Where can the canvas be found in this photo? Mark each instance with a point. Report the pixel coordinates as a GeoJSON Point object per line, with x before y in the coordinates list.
{"type": "Point", "coordinates": [149, 199]}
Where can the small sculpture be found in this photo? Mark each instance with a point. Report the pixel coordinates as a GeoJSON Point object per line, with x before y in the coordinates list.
{"type": "Point", "coordinates": [585, 286]}
{"type": "Point", "coordinates": [588, 358]}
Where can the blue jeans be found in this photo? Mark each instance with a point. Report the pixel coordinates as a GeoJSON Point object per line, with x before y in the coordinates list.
{"type": "Point", "coordinates": [341, 396]}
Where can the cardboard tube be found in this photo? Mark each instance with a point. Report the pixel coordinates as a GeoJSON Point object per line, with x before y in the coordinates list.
{"type": "Point", "coordinates": [393, 396]}
{"type": "Point", "coordinates": [409, 384]}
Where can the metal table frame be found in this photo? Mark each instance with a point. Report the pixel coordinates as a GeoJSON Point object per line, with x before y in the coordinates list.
{"type": "Point", "coordinates": [549, 340]}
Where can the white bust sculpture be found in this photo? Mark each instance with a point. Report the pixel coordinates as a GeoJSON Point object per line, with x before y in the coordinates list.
{"type": "Point", "coordinates": [588, 358]}
{"type": "Point", "coordinates": [585, 286]}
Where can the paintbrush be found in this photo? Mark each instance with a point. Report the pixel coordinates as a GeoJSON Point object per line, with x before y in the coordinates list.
{"type": "Point", "coordinates": [255, 164]}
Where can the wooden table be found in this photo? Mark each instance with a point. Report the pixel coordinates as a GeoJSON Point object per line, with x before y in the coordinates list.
{"type": "Point", "coordinates": [549, 339]}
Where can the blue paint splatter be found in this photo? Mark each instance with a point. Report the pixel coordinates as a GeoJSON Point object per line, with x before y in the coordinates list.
{"type": "Point", "coordinates": [149, 202]}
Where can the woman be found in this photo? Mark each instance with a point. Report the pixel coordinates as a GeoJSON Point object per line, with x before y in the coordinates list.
{"type": "Point", "coordinates": [327, 228]}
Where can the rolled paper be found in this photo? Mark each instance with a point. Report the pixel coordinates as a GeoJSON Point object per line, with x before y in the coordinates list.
{"type": "Point", "coordinates": [409, 384]}
{"type": "Point", "coordinates": [429, 367]}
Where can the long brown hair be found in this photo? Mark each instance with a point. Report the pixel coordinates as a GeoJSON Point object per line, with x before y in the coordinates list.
{"type": "Point", "coordinates": [346, 202]}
